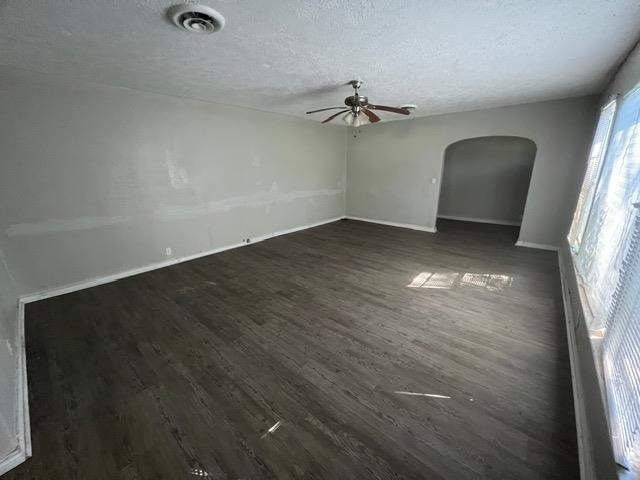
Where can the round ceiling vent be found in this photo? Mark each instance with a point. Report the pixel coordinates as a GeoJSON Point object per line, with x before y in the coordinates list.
{"type": "Point", "coordinates": [196, 18]}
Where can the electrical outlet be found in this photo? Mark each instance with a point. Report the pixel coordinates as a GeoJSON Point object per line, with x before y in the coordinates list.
{"type": "Point", "coordinates": [168, 251]}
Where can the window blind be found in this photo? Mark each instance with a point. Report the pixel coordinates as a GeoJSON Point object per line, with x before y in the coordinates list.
{"type": "Point", "coordinates": [603, 245]}
{"type": "Point", "coordinates": [585, 199]}
{"type": "Point", "coordinates": [605, 239]}
{"type": "Point", "coordinates": [621, 358]}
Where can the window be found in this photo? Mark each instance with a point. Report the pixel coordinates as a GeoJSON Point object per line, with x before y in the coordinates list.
{"type": "Point", "coordinates": [594, 163]}
{"type": "Point", "coordinates": [621, 358]}
{"type": "Point", "coordinates": [605, 242]}
{"type": "Point", "coordinates": [602, 247]}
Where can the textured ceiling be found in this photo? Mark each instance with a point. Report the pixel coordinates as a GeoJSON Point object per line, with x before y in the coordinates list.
{"type": "Point", "coordinates": [290, 56]}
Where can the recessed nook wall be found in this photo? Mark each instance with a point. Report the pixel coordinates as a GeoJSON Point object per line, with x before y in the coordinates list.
{"type": "Point", "coordinates": [486, 179]}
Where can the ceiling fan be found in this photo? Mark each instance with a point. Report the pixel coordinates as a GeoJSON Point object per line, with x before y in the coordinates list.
{"type": "Point", "coordinates": [357, 106]}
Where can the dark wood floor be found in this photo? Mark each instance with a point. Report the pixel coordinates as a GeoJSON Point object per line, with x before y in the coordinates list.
{"type": "Point", "coordinates": [347, 351]}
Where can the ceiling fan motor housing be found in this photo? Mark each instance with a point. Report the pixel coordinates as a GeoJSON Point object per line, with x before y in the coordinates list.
{"type": "Point", "coordinates": [356, 101]}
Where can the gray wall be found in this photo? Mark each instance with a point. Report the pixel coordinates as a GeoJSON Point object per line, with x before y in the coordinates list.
{"type": "Point", "coordinates": [487, 178]}
{"type": "Point", "coordinates": [390, 166]}
{"type": "Point", "coordinates": [97, 180]}
{"type": "Point", "coordinates": [627, 76]}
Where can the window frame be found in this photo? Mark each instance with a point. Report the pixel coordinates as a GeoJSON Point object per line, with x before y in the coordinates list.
{"type": "Point", "coordinates": [592, 309]}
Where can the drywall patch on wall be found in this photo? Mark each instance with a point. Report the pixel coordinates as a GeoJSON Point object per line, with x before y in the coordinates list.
{"type": "Point", "coordinates": [178, 175]}
{"type": "Point", "coordinates": [63, 225]}
{"type": "Point", "coordinates": [266, 199]}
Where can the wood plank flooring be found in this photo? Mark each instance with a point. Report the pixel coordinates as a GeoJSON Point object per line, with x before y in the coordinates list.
{"type": "Point", "coordinates": [347, 351]}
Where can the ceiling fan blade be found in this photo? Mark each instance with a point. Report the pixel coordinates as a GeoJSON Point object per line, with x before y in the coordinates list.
{"type": "Point", "coordinates": [373, 118]}
{"type": "Point", "coordinates": [402, 111]}
{"type": "Point", "coordinates": [335, 115]}
{"type": "Point", "coordinates": [323, 110]}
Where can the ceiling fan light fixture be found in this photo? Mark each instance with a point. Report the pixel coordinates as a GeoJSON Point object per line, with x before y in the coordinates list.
{"type": "Point", "coordinates": [360, 120]}
{"type": "Point", "coordinates": [348, 119]}
{"type": "Point", "coordinates": [352, 119]}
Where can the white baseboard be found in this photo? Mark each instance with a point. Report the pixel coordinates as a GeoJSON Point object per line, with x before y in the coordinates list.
{"type": "Point", "coordinates": [540, 246]}
{"type": "Point", "coordinates": [23, 450]}
{"type": "Point", "coordinates": [481, 220]}
{"type": "Point", "coordinates": [94, 282]}
{"type": "Point", "coordinates": [11, 461]}
{"type": "Point", "coordinates": [294, 229]}
{"type": "Point", "coordinates": [394, 224]}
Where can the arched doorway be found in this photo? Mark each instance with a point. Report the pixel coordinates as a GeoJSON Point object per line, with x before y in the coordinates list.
{"type": "Point", "coordinates": [486, 179]}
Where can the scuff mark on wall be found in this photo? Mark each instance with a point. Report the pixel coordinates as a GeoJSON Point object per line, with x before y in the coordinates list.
{"type": "Point", "coordinates": [58, 225]}
{"type": "Point", "coordinates": [5, 265]}
{"type": "Point", "coordinates": [267, 198]}
{"type": "Point", "coordinates": [178, 175]}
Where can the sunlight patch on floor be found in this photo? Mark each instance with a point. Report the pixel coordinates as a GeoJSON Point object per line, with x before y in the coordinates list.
{"type": "Point", "coordinates": [446, 280]}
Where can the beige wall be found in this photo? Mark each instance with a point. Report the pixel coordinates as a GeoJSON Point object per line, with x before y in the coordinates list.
{"type": "Point", "coordinates": [390, 166]}
{"type": "Point", "coordinates": [97, 180]}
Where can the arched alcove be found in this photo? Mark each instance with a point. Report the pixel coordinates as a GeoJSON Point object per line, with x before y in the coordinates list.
{"type": "Point", "coordinates": [486, 179]}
